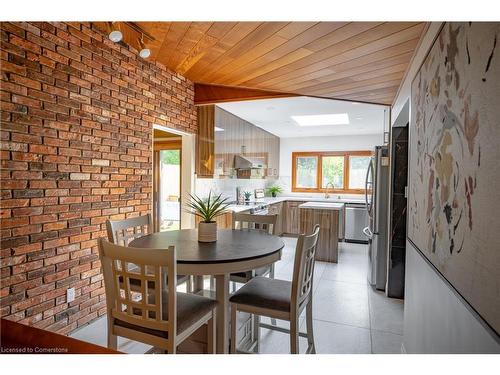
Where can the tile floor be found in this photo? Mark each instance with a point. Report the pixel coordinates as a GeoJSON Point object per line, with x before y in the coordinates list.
{"type": "Point", "coordinates": [349, 315]}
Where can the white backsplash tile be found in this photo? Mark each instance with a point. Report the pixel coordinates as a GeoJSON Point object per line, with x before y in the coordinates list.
{"type": "Point", "coordinates": [227, 186]}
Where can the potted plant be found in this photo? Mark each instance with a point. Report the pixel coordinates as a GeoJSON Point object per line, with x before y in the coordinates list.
{"type": "Point", "coordinates": [208, 209]}
{"type": "Point", "coordinates": [274, 190]}
{"type": "Point", "coordinates": [248, 195]}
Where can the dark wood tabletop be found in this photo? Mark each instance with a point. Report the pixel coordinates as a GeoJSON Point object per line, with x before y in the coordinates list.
{"type": "Point", "coordinates": [18, 338]}
{"type": "Point", "coordinates": [231, 245]}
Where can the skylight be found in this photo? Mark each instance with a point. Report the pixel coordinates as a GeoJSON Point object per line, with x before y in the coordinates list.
{"type": "Point", "coordinates": [320, 120]}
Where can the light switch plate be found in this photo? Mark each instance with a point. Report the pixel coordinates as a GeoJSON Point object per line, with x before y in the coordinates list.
{"type": "Point", "coordinates": [70, 295]}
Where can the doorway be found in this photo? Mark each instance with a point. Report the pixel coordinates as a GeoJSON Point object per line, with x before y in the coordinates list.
{"type": "Point", "coordinates": [167, 171]}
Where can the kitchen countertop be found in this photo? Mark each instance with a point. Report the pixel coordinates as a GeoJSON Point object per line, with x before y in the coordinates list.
{"type": "Point", "coordinates": [296, 198]}
{"type": "Point", "coordinates": [323, 206]}
{"type": "Point", "coordinates": [271, 200]}
{"type": "Point", "coordinates": [240, 207]}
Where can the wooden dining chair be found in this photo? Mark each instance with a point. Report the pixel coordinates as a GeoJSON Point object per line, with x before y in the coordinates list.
{"type": "Point", "coordinates": [282, 299]}
{"type": "Point", "coordinates": [265, 223]}
{"type": "Point", "coordinates": [122, 232]}
{"type": "Point", "coordinates": [156, 315]}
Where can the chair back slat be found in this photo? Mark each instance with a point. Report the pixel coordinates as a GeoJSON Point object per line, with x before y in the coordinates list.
{"type": "Point", "coordinates": [150, 268]}
{"type": "Point", "coordinates": [265, 223]}
{"type": "Point", "coordinates": [303, 270]}
{"type": "Point", "coordinates": [122, 232]}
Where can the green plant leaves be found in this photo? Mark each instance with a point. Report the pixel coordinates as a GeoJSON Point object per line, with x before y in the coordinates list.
{"type": "Point", "coordinates": [208, 209]}
{"type": "Point", "coordinates": [274, 189]}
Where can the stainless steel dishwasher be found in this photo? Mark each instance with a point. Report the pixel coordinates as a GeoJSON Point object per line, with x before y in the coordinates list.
{"type": "Point", "coordinates": [356, 219]}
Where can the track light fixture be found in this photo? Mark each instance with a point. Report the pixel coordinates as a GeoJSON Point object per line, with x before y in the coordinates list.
{"type": "Point", "coordinates": [115, 34]}
{"type": "Point", "coordinates": [144, 52]}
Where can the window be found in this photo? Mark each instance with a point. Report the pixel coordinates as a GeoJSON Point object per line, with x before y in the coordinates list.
{"type": "Point", "coordinates": [307, 170]}
{"type": "Point", "coordinates": [342, 172]}
{"type": "Point", "coordinates": [358, 165]}
{"type": "Point", "coordinates": [332, 172]}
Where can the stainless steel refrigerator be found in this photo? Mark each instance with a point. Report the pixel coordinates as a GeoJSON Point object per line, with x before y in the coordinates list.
{"type": "Point", "coordinates": [377, 204]}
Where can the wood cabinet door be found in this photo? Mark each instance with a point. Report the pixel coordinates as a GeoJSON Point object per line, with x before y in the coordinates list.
{"type": "Point", "coordinates": [242, 137]}
{"type": "Point", "coordinates": [292, 217]}
{"type": "Point", "coordinates": [205, 152]}
{"type": "Point", "coordinates": [277, 209]}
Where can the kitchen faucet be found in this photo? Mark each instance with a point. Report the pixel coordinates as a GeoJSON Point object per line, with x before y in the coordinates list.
{"type": "Point", "coordinates": [327, 195]}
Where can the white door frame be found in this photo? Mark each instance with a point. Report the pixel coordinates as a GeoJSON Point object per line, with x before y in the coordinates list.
{"type": "Point", "coordinates": [187, 172]}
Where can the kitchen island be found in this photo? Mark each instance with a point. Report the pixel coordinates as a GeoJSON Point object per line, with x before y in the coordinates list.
{"type": "Point", "coordinates": [326, 214]}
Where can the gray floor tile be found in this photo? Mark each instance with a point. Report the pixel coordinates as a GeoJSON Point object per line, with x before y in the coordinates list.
{"type": "Point", "coordinates": [96, 333]}
{"type": "Point", "coordinates": [341, 302]}
{"type": "Point", "coordinates": [386, 343]}
{"type": "Point", "coordinates": [386, 314]}
{"type": "Point", "coordinates": [332, 338]}
{"type": "Point", "coordinates": [354, 273]}
{"type": "Point", "coordinates": [273, 342]}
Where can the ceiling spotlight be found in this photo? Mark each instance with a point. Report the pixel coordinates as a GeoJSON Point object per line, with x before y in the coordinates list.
{"type": "Point", "coordinates": [115, 34]}
{"type": "Point", "coordinates": [144, 51]}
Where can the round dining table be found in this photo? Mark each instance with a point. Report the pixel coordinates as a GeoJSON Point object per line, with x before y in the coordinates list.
{"type": "Point", "coordinates": [234, 251]}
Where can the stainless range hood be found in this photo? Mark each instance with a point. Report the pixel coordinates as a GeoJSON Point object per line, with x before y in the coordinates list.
{"type": "Point", "coordinates": [249, 167]}
{"type": "Point", "coordinates": [246, 162]}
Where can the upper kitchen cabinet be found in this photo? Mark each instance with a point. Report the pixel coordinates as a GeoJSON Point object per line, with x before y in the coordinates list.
{"type": "Point", "coordinates": [235, 136]}
{"type": "Point", "coordinates": [205, 141]}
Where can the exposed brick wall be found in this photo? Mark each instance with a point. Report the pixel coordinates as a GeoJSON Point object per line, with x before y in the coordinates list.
{"type": "Point", "coordinates": [77, 113]}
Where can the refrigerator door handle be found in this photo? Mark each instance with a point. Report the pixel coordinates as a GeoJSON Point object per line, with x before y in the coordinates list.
{"type": "Point", "coordinates": [368, 184]}
{"type": "Point", "coordinates": [367, 232]}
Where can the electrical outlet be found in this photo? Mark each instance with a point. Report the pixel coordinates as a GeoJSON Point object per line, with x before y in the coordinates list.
{"type": "Point", "coordinates": [70, 295]}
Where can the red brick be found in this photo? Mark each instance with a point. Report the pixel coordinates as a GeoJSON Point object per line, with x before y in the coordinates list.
{"type": "Point", "coordinates": [26, 229]}
{"type": "Point", "coordinates": [43, 219]}
{"type": "Point", "coordinates": [77, 113]}
{"type": "Point", "coordinates": [14, 222]}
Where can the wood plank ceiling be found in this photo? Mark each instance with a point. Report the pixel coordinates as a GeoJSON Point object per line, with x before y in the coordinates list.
{"type": "Point", "coordinates": [361, 61]}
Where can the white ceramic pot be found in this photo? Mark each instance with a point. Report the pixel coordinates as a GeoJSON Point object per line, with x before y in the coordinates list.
{"type": "Point", "coordinates": [207, 232]}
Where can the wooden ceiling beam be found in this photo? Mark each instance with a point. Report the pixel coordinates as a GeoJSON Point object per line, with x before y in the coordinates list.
{"type": "Point", "coordinates": [211, 94]}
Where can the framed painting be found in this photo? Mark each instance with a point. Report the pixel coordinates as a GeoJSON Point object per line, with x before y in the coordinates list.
{"type": "Point", "coordinates": [454, 177]}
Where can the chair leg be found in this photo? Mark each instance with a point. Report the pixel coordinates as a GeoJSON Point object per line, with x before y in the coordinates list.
{"type": "Point", "coordinates": [294, 336]}
{"type": "Point", "coordinates": [309, 323]}
{"type": "Point", "coordinates": [171, 347]}
{"type": "Point", "coordinates": [211, 345]}
{"type": "Point", "coordinates": [271, 276]}
{"type": "Point", "coordinates": [256, 331]}
{"type": "Point", "coordinates": [234, 311]}
{"type": "Point", "coordinates": [112, 339]}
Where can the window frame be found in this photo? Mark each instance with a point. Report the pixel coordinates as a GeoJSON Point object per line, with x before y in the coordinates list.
{"type": "Point", "coordinates": [319, 174]}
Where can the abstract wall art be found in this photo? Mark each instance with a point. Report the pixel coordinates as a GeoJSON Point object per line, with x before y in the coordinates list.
{"type": "Point", "coordinates": [454, 178]}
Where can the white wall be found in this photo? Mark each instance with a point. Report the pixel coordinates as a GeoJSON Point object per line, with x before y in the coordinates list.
{"type": "Point", "coordinates": [437, 319]}
{"type": "Point", "coordinates": [340, 143]}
